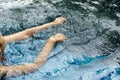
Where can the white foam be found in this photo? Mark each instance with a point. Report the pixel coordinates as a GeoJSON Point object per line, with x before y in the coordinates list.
{"type": "Point", "coordinates": [15, 4]}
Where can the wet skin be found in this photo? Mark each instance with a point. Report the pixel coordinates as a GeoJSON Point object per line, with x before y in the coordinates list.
{"type": "Point", "coordinates": [26, 34]}
{"type": "Point", "coordinates": [2, 47]}
{"type": "Point", "coordinates": [16, 70]}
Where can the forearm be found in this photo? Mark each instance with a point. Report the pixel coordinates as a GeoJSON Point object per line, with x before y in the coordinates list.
{"type": "Point", "coordinates": [43, 56]}
{"type": "Point", "coordinates": [42, 27]}
{"type": "Point", "coordinates": [59, 20]}
{"type": "Point", "coordinates": [31, 31]}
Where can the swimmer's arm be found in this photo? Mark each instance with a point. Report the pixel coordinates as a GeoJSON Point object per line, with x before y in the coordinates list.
{"type": "Point", "coordinates": [29, 32]}
{"type": "Point", "coordinates": [43, 56]}
{"type": "Point", "coordinates": [16, 70]}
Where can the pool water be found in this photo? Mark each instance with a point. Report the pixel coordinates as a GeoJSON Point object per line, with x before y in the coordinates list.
{"type": "Point", "coordinates": [92, 48]}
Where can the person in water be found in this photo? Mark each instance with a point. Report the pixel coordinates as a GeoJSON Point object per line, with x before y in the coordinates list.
{"type": "Point", "coordinates": [16, 70]}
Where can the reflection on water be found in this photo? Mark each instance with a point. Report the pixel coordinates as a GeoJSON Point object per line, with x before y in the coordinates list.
{"type": "Point", "coordinates": [92, 45]}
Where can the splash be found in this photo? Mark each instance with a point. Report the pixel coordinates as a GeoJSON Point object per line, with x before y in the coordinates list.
{"type": "Point", "coordinates": [91, 51]}
{"type": "Point", "coordinates": [15, 4]}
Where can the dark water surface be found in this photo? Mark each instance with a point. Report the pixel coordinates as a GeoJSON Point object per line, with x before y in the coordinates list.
{"type": "Point", "coordinates": [92, 48]}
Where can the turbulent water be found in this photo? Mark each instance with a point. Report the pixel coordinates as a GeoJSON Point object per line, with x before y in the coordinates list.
{"type": "Point", "coordinates": [92, 48]}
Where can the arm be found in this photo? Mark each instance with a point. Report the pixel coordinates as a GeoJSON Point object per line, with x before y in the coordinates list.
{"type": "Point", "coordinates": [28, 32]}
{"type": "Point", "coordinates": [16, 70]}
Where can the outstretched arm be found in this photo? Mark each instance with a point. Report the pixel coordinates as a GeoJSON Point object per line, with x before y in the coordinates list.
{"type": "Point", "coordinates": [28, 32]}
{"type": "Point", "coordinates": [16, 70]}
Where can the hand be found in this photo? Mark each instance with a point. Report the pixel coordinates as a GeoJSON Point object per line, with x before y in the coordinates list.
{"type": "Point", "coordinates": [60, 20]}
{"type": "Point", "coordinates": [58, 37]}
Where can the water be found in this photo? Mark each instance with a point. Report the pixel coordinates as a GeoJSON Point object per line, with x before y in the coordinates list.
{"type": "Point", "coordinates": [91, 51]}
